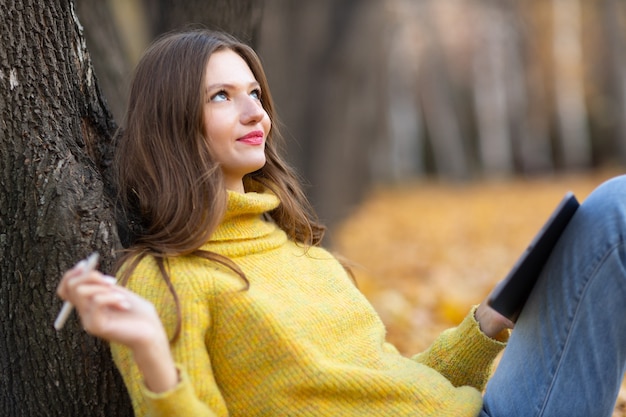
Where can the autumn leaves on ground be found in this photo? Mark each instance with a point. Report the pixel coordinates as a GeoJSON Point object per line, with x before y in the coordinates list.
{"type": "Point", "coordinates": [424, 252]}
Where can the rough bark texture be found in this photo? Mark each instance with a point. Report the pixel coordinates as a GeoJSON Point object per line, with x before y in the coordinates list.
{"type": "Point", "coordinates": [54, 148]}
{"type": "Point", "coordinates": [55, 153]}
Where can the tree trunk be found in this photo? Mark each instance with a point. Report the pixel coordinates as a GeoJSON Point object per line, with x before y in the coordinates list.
{"type": "Point", "coordinates": [450, 152]}
{"type": "Point", "coordinates": [109, 52]}
{"type": "Point", "coordinates": [613, 13]}
{"type": "Point", "coordinates": [55, 152]}
{"type": "Point", "coordinates": [242, 18]}
{"type": "Point", "coordinates": [535, 149]}
{"type": "Point", "coordinates": [55, 147]}
{"type": "Point", "coordinates": [491, 72]}
{"type": "Point", "coordinates": [401, 156]}
{"type": "Point", "coordinates": [323, 62]}
{"type": "Point", "coordinates": [569, 89]}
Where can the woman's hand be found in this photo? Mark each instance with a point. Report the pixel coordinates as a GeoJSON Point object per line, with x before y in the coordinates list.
{"type": "Point", "coordinates": [118, 315]}
{"type": "Point", "coordinates": [107, 310]}
{"type": "Point", "coordinates": [492, 323]}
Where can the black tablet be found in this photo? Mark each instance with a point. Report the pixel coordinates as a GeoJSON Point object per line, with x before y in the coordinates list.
{"type": "Point", "coordinates": [509, 297]}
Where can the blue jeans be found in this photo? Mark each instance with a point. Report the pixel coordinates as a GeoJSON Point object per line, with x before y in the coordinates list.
{"type": "Point", "coordinates": [567, 354]}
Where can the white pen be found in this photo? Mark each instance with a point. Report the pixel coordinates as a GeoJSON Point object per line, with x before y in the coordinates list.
{"type": "Point", "coordinates": [89, 265]}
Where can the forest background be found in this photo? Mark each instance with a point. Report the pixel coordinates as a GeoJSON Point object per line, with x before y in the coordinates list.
{"type": "Point", "coordinates": [374, 92]}
{"type": "Point", "coordinates": [435, 137]}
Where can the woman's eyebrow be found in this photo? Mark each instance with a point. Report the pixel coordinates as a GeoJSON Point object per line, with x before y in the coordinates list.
{"type": "Point", "coordinates": [227, 86]}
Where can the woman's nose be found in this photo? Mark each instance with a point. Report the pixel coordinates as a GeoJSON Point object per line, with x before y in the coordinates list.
{"type": "Point", "coordinates": [251, 111]}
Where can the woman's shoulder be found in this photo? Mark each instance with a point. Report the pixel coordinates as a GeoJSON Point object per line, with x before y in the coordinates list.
{"type": "Point", "coordinates": [202, 273]}
{"type": "Point", "coordinates": [187, 274]}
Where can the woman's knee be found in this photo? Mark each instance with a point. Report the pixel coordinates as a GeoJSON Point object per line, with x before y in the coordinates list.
{"type": "Point", "coordinates": [608, 201]}
{"type": "Point", "coordinates": [600, 222]}
{"type": "Point", "coordinates": [611, 193]}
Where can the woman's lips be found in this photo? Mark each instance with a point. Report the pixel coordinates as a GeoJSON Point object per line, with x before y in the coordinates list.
{"type": "Point", "coordinates": [252, 138]}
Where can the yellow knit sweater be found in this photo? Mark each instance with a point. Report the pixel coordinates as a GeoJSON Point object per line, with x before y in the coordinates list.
{"type": "Point", "coordinates": [301, 341]}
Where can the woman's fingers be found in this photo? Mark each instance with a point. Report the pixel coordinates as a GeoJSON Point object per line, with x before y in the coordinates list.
{"type": "Point", "coordinates": [102, 309]}
{"type": "Point", "coordinates": [123, 317]}
{"type": "Point", "coordinates": [80, 285]}
{"type": "Point", "coordinates": [83, 267]}
{"type": "Point", "coordinates": [111, 299]}
{"type": "Point", "coordinates": [84, 292]}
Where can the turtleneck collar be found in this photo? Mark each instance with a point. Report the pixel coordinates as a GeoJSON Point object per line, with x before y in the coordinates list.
{"type": "Point", "coordinates": [243, 229]}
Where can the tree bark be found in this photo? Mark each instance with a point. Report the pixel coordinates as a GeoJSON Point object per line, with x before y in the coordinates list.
{"type": "Point", "coordinates": [56, 147]}
{"type": "Point", "coordinates": [55, 150]}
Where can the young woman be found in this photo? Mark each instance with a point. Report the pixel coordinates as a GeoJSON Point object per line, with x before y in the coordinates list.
{"type": "Point", "coordinates": [229, 306]}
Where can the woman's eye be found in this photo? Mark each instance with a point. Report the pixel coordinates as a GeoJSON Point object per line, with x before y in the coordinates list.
{"type": "Point", "coordinates": [256, 93]}
{"type": "Point", "coordinates": [219, 96]}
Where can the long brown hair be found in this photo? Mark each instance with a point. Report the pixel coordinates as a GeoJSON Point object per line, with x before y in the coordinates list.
{"type": "Point", "coordinates": [171, 193]}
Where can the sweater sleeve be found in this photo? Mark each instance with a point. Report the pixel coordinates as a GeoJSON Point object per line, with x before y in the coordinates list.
{"type": "Point", "coordinates": [197, 393]}
{"type": "Point", "coordinates": [179, 401]}
{"type": "Point", "coordinates": [464, 355]}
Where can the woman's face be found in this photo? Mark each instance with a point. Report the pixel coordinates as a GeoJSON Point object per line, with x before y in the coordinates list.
{"type": "Point", "coordinates": [235, 122]}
